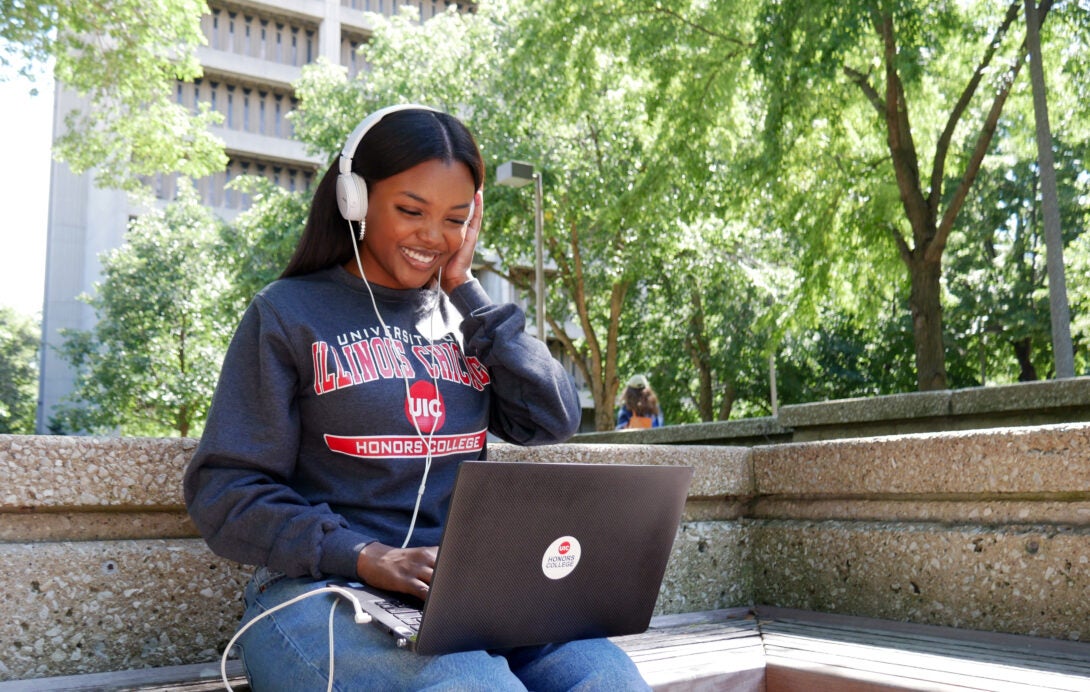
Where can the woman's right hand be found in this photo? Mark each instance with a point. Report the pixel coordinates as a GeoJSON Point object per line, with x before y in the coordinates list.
{"type": "Point", "coordinates": [404, 570]}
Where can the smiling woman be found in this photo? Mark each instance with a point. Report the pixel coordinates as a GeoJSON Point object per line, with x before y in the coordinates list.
{"type": "Point", "coordinates": [26, 130]}
{"type": "Point", "coordinates": [352, 390]}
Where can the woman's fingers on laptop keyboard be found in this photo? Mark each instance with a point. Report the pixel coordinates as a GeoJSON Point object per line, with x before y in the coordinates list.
{"type": "Point", "coordinates": [404, 570]}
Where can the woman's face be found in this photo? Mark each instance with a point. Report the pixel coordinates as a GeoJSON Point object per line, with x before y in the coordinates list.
{"type": "Point", "coordinates": [415, 223]}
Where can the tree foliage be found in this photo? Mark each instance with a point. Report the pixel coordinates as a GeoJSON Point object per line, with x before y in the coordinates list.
{"type": "Point", "coordinates": [259, 242]}
{"type": "Point", "coordinates": [999, 284]}
{"type": "Point", "coordinates": [123, 57]}
{"type": "Point", "coordinates": [592, 237]}
{"type": "Point", "coordinates": [652, 119]}
{"type": "Point", "coordinates": [150, 363]}
{"type": "Point", "coordinates": [19, 339]}
{"type": "Point", "coordinates": [936, 78]}
{"type": "Point", "coordinates": [724, 184]}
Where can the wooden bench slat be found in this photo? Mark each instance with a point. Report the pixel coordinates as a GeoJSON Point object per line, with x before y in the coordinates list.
{"type": "Point", "coordinates": [709, 636]}
{"type": "Point", "coordinates": [711, 651]}
{"type": "Point", "coordinates": [756, 650]}
{"type": "Point", "coordinates": [193, 677]}
{"type": "Point", "coordinates": [982, 655]}
{"type": "Point", "coordinates": [1055, 655]}
{"type": "Point", "coordinates": [833, 622]}
{"type": "Point", "coordinates": [882, 663]}
{"type": "Point", "coordinates": [906, 656]}
{"type": "Point", "coordinates": [892, 637]}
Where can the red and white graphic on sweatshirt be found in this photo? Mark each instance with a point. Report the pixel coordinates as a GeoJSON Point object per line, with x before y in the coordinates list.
{"type": "Point", "coordinates": [425, 411]}
{"type": "Point", "coordinates": [424, 407]}
{"type": "Point", "coordinates": [359, 358]}
{"type": "Point", "coordinates": [386, 446]}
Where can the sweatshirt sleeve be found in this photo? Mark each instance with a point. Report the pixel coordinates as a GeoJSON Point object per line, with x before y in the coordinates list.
{"type": "Point", "coordinates": [235, 486]}
{"type": "Point", "coordinates": [534, 401]}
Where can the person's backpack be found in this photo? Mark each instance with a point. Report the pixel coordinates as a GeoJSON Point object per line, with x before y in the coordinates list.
{"type": "Point", "coordinates": [636, 422]}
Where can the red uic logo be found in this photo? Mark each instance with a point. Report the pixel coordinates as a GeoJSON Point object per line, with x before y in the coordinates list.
{"type": "Point", "coordinates": [425, 406]}
{"type": "Point", "coordinates": [564, 548]}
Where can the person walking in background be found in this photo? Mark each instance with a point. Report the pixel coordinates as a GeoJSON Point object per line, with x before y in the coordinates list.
{"type": "Point", "coordinates": [639, 406]}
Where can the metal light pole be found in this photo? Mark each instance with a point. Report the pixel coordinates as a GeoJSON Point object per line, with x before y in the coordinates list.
{"type": "Point", "coordinates": [1063, 351]}
{"type": "Point", "coordinates": [518, 174]}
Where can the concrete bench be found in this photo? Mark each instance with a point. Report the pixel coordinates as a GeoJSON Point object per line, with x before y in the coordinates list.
{"type": "Point", "coordinates": [986, 531]}
{"type": "Point", "coordinates": [761, 649]}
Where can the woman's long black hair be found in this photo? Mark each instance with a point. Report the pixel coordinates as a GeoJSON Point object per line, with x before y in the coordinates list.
{"type": "Point", "coordinates": [395, 144]}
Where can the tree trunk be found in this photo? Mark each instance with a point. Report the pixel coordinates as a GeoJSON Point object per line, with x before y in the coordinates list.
{"type": "Point", "coordinates": [605, 417]}
{"type": "Point", "coordinates": [1060, 311]}
{"type": "Point", "coordinates": [595, 360]}
{"type": "Point", "coordinates": [704, 381]}
{"type": "Point", "coordinates": [727, 403]}
{"type": "Point", "coordinates": [921, 201]}
{"type": "Point", "coordinates": [697, 346]}
{"type": "Point", "coordinates": [1022, 350]}
{"type": "Point", "coordinates": [926, 307]}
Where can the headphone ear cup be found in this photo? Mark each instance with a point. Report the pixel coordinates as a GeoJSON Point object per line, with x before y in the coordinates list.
{"type": "Point", "coordinates": [352, 196]}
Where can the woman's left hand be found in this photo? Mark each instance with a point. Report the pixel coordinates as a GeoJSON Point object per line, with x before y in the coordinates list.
{"type": "Point", "coordinates": [460, 267]}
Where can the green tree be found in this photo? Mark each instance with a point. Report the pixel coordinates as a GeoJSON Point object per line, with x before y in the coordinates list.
{"type": "Point", "coordinates": [19, 341]}
{"type": "Point", "coordinates": [258, 243]}
{"type": "Point", "coordinates": [999, 285]}
{"type": "Point", "coordinates": [150, 363]}
{"type": "Point", "coordinates": [847, 355]}
{"type": "Point", "coordinates": [706, 324]}
{"type": "Point", "coordinates": [658, 220]}
{"type": "Point", "coordinates": [123, 57]}
{"type": "Point", "coordinates": [936, 77]}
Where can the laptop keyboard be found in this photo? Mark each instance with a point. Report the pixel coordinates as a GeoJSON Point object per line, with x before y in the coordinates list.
{"type": "Point", "coordinates": [407, 614]}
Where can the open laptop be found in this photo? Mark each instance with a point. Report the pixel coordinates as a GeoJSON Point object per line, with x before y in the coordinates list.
{"type": "Point", "coordinates": [534, 553]}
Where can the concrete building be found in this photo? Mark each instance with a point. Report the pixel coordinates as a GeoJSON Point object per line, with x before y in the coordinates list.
{"type": "Point", "coordinates": [255, 51]}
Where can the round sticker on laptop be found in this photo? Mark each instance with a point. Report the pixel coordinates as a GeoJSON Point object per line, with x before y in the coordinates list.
{"type": "Point", "coordinates": [560, 557]}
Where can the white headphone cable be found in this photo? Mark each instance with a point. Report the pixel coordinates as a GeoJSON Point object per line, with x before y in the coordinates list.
{"type": "Point", "coordinates": [360, 617]}
{"type": "Point", "coordinates": [435, 369]}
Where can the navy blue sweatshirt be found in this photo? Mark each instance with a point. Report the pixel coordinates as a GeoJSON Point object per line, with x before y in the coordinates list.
{"type": "Point", "coordinates": [313, 448]}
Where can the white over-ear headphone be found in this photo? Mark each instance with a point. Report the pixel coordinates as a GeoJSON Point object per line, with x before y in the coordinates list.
{"type": "Point", "coordinates": [351, 188]}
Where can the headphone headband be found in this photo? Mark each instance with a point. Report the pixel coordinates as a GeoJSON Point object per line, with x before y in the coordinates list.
{"type": "Point", "coordinates": [354, 139]}
{"type": "Point", "coordinates": [351, 188]}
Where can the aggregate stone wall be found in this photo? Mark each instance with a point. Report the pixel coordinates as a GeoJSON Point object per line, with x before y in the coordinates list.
{"type": "Point", "coordinates": [100, 566]}
{"type": "Point", "coordinates": [102, 569]}
{"type": "Point", "coordinates": [987, 529]}
{"type": "Point", "coordinates": [1045, 402]}
{"type": "Point", "coordinates": [1024, 581]}
{"type": "Point", "coordinates": [88, 606]}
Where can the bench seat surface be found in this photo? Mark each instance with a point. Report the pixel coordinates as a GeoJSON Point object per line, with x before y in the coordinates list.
{"type": "Point", "coordinates": [756, 650]}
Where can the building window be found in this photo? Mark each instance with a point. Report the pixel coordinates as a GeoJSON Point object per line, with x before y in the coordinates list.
{"type": "Point", "coordinates": [231, 47]}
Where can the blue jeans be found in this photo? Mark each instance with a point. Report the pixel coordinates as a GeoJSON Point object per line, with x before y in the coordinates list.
{"type": "Point", "coordinates": [289, 650]}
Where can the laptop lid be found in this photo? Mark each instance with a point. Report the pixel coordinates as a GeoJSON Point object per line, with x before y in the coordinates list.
{"type": "Point", "coordinates": [535, 553]}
